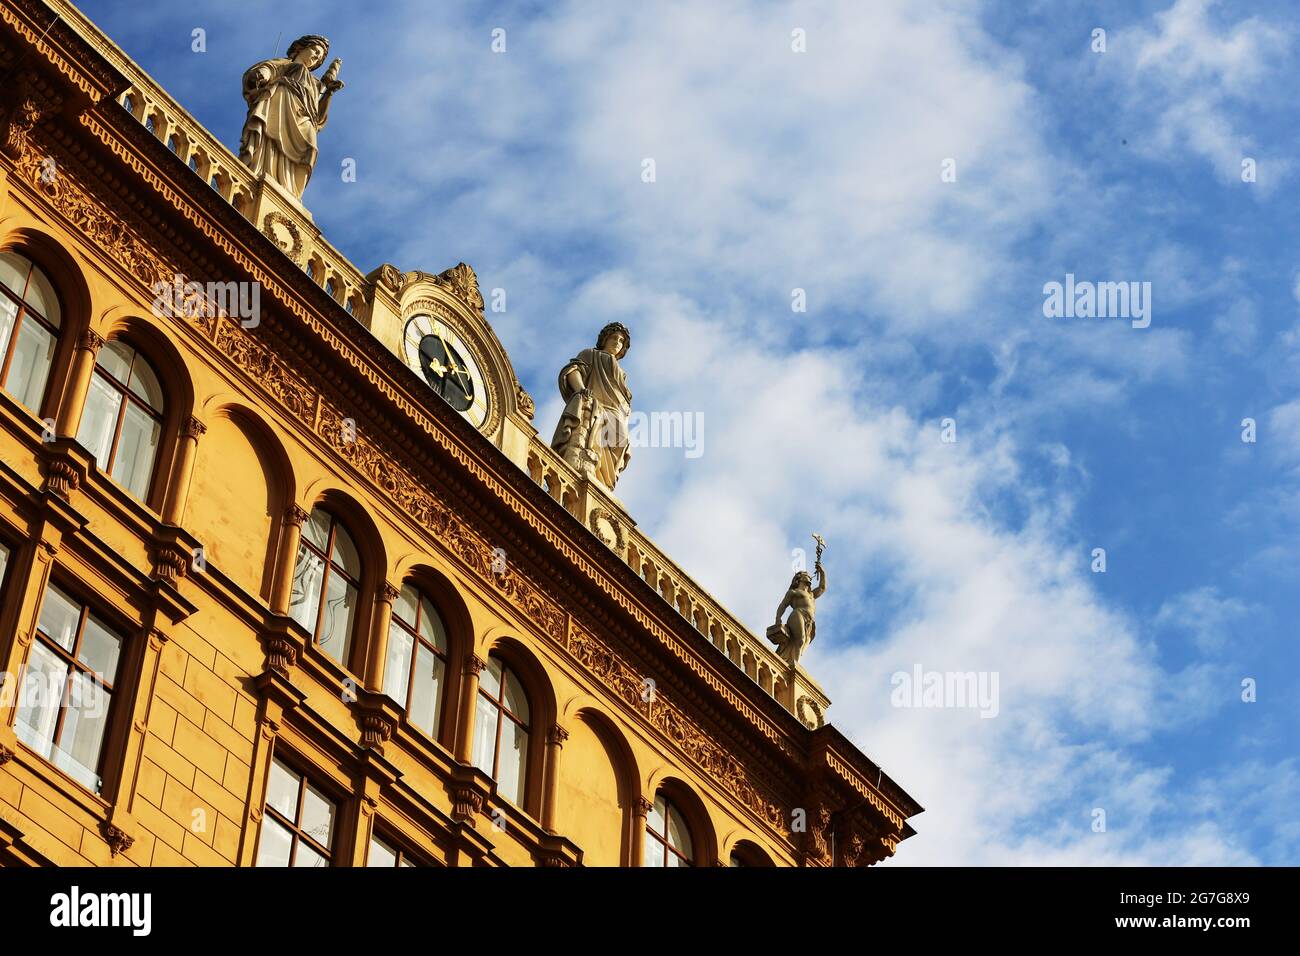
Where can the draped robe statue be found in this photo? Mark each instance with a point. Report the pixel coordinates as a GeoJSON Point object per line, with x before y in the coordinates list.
{"type": "Point", "coordinates": [592, 432]}
{"type": "Point", "coordinates": [287, 106]}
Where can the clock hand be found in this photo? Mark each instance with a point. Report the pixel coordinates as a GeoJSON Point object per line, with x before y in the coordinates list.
{"type": "Point", "coordinates": [454, 367]}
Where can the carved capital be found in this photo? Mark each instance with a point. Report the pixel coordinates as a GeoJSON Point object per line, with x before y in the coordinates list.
{"type": "Point", "coordinates": [193, 428]}
{"type": "Point", "coordinates": [388, 593]}
{"type": "Point", "coordinates": [643, 808]}
{"type": "Point", "coordinates": [6, 755]}
{"type": "Point", "coordinates": [556, 736]}
{"type": "Point", "coordinates": [474, 664]}
{"type": "Point", "coordinates": [90, 341]}
{"type": "Point", "coordinates": [117, 839]}
{"type": "Point", "coordinates": [295, 516]}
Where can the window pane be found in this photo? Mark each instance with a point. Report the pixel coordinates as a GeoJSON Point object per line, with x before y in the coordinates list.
{"type": "Point", "coordinates": [136, 449]}
{"type": "Point", "coordinates": [282, 791]}
{"type": "Point", "coordinates": [39, 699]}
{"type": "Point", "coordinates": [345, 553]}
{"type": "Point", "coordinates": [485, 733]}
{"type": "Point", "coordinates": [13, 272]}
{"type": "Point", "coordinates": [4, 561]}
{"type": "Point", "coordinates": [99, 419]}
{"type": "Point", "coordinates": [30, 366]}
{"type": "Point", "coordinates": [676, 861]}
{"type": "Point", "coordinates": [99, 650]}
{"type": "Point", "coordinates": [273, 849]}
{"type": "Point", "coordinates": [83, 730]}
{"type": "Point", "coordinates": [679, 838]}
{"type": "Point", "coordinates": [655, 819]}
{"type": "Point", "coordinates": [115, 358]}
{"type": "Point", "coordinates": [397, 669]}
{"type": "Point", "coordinates": [317, 528]}
{"type": "Point", "coordinates": [59, 618]}
{"type": "Point", "coordinates": [513, 760]}
{"type": "Point", "coordinates": [654, 852]}
{"type": "Point", "coordinates": [489, 680]}
{"type": "Point", "coordinates": [309, 857]}
{"type": "Point", "coordinates": [40, 296]}
{"type": "Point", "coordinates": [8, 313]}
{"type": "Point", "coordinates": [404, 608]}
{"type": "Point", "coordinates": [380, 855]}
{"type": "Point", "coordinates": [304, 602]}
{"type": "Point", "coordinates": [144, 384]}
{"type": "Point", "coordinates": [336, 623]}
{"type": "Point", "coordinates": [431, 625]}
{"type": "Point", "coordinates": [317, 816]}
{"type": "Point", "coordinates": [424, 695]}
{"type": "Point", "coordinates": [516, 701]}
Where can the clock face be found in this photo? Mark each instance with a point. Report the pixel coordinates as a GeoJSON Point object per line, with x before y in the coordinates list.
{"type": "Point", "coordinates": [433, 350]}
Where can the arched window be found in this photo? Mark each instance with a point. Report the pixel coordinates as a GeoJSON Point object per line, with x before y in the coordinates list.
{"type": "Point", "coordinates": [501, 721]}
{"type": "Point", "coordinates": [150, 125]}
{"type": "Point", "coordinates": [329, 288]}
{"type": "Point", "coordinates": [667, 836]}
{"type": "Point", "coordinates": [416, 669]}
{"type": "Point", "coordinates": [128, 104]}
{"type": "Point", "coordinates": [122, 422]}
{"type": "Point", "coordinates": [325, 584]}
{"type": "Point", "coordinates": [29, 329]}
{"type": "Point", "coordinates": [173, 144]}
{"type": "Point", "coordinates": [747, 854]}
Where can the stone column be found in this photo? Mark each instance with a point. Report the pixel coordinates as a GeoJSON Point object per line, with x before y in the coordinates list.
{"type": "Point", "coordinates": [178, 487]}
{"type": "Point", "coordinates": [469, 689]}
{"type": "Point", "coordinates": [74, 395]}
{"type": "Point", "coordinates": [555, 738]}
{"type": "Point", "coordinates": [641, 810]}
{"type": "Point", "coordinates": [286, 558]}
{"type": "Point", "coordinates": [377, 650]}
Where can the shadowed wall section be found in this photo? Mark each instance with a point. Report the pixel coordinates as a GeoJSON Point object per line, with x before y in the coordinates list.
{"type": "Point", "coordinates": [235, 499]}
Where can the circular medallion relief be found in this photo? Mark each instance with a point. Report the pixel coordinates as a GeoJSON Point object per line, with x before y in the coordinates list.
{"type": "Point", "coordinates": [810, 713]}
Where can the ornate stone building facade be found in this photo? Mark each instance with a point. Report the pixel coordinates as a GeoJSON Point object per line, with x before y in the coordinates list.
{"type": "Point", "coordinates": [271, 595]}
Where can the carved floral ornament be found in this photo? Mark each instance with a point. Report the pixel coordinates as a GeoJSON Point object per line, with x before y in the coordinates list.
{"type": "Point", "coordinates": [302, 398]}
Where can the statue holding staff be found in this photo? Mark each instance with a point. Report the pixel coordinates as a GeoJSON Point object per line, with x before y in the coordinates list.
{"type": "Point", "coordinates": [798, 630]}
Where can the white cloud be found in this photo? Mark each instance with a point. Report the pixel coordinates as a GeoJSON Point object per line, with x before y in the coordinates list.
{"type": "Point", "coordinates": [1189, 77]}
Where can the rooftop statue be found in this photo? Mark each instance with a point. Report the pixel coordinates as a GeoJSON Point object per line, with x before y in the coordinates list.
{"type": "Point", "coordinates": [793, 637]}
{"type": "Point", "coordinates": [287, 106]}
{"type": "Point", "coordinates": [592, 432]}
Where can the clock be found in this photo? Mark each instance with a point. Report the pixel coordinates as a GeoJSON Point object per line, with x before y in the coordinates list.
{"type": "Point", "coordinates": [434, 350]}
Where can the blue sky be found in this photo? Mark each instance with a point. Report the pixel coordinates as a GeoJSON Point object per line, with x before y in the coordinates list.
{"type": "Point", "coordinates": [821, 170]}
